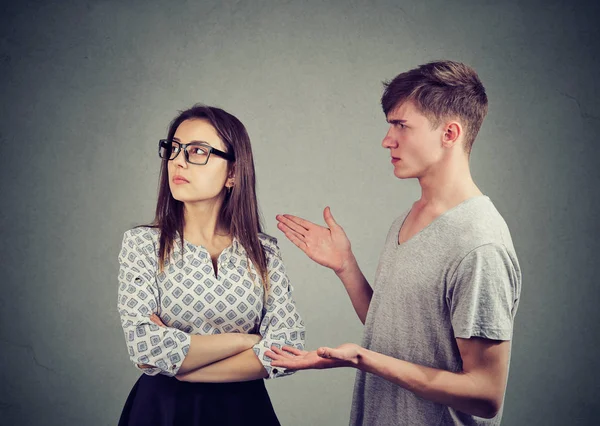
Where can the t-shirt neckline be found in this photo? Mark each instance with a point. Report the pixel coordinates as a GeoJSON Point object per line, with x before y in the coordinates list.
{"type": "Point", "coordinates": [434, 221]}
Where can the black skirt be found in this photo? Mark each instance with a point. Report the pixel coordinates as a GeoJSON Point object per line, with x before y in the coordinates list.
{"type": "Point", "coordinates": [165, 401]}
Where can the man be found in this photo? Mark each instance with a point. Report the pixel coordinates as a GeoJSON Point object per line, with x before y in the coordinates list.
{"type": "Point", "coordinates": [439, 319]}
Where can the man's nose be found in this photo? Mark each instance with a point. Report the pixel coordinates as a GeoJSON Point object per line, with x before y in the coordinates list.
{"type": "Point", "coordinates": [388, 141]}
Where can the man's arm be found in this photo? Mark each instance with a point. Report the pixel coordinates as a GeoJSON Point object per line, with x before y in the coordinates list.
{"type": "Point", "coordinates": [330, 247]}
{"type": "Point", "coordinates": [358, 288]}
{"type": "Point", "coordinates": [482, 295]}
{"type": "Point", "coordinates": [477, 390]}
{"type": "Point", "coordinates": [242, 367]}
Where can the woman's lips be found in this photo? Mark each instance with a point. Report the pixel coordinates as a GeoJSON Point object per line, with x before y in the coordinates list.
{"type": "Point", "coordinates": [178, 180]}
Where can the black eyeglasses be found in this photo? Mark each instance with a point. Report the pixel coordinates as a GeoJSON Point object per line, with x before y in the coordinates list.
{"type": "Point", "coordinates": [194, 152]}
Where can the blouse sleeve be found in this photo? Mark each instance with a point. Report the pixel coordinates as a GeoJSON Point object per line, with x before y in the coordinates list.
{"type": "Point", "coordinates": [164, 348]}
{"type": "Point", "coordinates": [281, 324]}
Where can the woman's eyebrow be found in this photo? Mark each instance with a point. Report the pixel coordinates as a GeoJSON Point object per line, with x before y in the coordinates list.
{"type": "Point", "coordinates": [197, 142]}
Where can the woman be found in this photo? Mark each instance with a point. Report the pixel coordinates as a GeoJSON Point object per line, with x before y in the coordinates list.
{"type": "Point", "coordinates": [203, 294]}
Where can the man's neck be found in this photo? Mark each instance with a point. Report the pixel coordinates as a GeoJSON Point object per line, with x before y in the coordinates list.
{"type": "Point", "coordinates": [447, 185]}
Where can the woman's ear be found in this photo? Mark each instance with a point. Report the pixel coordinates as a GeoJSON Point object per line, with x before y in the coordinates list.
{"type": "Point", "coordinates": [230, 177]}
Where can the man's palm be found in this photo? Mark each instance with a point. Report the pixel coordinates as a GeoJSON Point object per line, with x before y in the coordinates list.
{"type": "Point", "coordinates": [328, 247]}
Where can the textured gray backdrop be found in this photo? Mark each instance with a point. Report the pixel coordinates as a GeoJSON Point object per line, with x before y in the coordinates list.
{"type": "Point", "coordinates": [88, 88]}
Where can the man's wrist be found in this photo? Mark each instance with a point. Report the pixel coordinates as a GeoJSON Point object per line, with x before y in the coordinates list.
{"type": "Point", "coordinates": [349, 266]}
{"type": "Point", "coordinates": [362, 359]}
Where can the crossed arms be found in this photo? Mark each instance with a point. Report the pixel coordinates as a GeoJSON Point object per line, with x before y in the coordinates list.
{"type": "Point", "coordinates": [221, 358]}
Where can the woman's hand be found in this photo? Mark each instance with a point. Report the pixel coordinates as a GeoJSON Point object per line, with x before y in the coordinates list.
{"type": "Point", "coordinates": [156, 320]}
{"type": "Point", "coordinates": [328, 247]}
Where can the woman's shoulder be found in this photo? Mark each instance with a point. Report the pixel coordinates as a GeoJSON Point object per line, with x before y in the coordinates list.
{"type": "Point", "coordinates": [143, 231]}
{"type": "Point", "coordinates": [269, 244]}
{"type": "Point", "coordinates": [142, 236]}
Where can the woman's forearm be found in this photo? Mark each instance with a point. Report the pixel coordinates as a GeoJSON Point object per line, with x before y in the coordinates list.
{"type": "Point", "coordinates": [242, 367]}
{"type": "Point", "coordinates": [206, 350]}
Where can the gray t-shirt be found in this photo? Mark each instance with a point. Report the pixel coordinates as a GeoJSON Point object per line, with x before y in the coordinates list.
{"type": "Point", "coordinates": [458, 277]}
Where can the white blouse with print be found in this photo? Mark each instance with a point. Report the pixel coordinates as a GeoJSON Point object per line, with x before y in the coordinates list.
{"type": "Point", "coordinates": [190, 299]}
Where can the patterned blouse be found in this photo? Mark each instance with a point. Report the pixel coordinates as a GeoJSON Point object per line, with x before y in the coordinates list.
{"type": "Point", "coordinates": [190, 299]}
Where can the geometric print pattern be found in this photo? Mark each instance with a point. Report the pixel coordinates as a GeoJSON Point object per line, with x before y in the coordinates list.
{"type": "Point", "coordinates": [190, 299]}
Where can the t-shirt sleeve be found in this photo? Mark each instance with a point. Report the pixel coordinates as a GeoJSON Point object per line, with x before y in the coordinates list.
{"type": "Point", "coordinates": [483, 294]}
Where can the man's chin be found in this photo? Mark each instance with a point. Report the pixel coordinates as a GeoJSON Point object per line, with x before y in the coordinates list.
{"type": "Point", "coordinates": [403, 174]}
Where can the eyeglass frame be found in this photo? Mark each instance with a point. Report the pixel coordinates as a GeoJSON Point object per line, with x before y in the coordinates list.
{"type": "Point", "coordinates": [183, 147]}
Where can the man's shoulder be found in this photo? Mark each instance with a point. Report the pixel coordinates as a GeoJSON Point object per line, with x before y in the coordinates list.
{"type": "Point", "coordinates": [479, 225]}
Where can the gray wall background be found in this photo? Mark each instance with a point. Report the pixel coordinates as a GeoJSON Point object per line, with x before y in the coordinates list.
{"type": "Point", "coordinates": [88, 88]}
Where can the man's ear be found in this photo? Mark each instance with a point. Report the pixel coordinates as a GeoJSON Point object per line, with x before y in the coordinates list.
{"type": "Point", "coordinates": [453, 132]}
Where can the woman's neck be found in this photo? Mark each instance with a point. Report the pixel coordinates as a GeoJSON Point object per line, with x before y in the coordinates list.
{"type": "Point", "coordinates": [201, 223]}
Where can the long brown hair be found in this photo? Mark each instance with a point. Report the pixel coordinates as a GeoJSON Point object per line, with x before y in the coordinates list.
{"type": "Point", "coordinates": [239, 212]}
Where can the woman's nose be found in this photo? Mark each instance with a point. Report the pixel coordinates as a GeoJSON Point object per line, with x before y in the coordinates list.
{"type": "Point", "coordinates": [179, 161]}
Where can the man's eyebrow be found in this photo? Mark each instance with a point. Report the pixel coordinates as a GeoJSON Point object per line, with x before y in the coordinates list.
{"type": "Point", "coordinates": [396, 121]}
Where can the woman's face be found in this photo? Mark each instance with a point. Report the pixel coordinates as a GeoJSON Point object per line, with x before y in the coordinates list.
{"type": "Point", "coordinates": [190, 183]}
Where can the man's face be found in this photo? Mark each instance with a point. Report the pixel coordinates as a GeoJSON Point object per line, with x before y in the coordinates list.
{"type": "Point", "coordinates": [414, 146]}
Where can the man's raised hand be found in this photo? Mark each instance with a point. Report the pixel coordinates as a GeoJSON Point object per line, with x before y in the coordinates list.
{"type": "Point", "coordinates": [328, 247]}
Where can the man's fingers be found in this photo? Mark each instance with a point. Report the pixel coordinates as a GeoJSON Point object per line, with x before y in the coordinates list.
{"type": "Point", "coordinates": [299, 229]}
{"type": "Point", "coordinates": [290, 232]}
{"type": "Point", "coordinates": [282, 352]}
{"type": "Point", "coordinates": [283, 360]}
{"type": "Point", "coordinates": [272, 355]}
{"type": "Point", "coordinates": [293, 350]}
{"type": "Point", "coordinates": [329, 220]}
{"type": "Point", "coordinates": [293, 238]}
{"type": "Point", "coordinates": [326, 353]}
{"type": "Point", "coordinates": [298, 220]}
{"type": "Point", "coordinates": [281, 363]}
